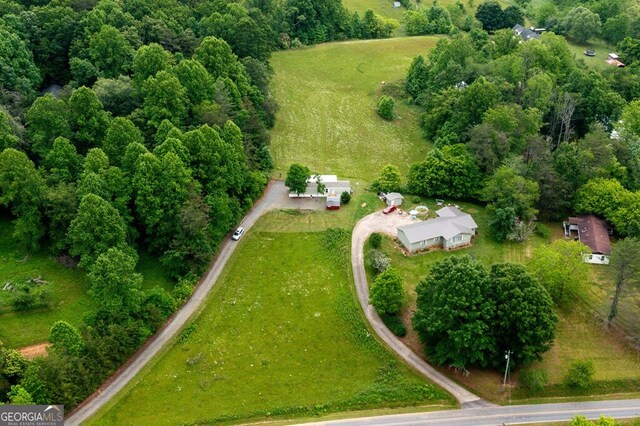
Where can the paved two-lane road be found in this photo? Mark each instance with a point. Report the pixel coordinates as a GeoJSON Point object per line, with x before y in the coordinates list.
{"type": "Point", "coordinates": [496, 416]}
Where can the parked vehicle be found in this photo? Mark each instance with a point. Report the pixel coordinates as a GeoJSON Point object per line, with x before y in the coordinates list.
{"type": "Point", "coordinates": [590, 52]}
{"type": "Point", "coordinates": [239, 233]}
{"type": "Point", "coordinates": [391, 208]}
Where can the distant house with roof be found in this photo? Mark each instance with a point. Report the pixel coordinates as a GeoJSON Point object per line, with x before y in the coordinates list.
{"type": "Point", "coordinates": [592, 232]}
{"type": "Point", "coordinates": [331, 191]}
{"type": "Point", "coordinates": [452, 228]}
{"type": "Point", "coordinates": [331, 186]}
{"type": "Point", "coordinates": [526, 34]}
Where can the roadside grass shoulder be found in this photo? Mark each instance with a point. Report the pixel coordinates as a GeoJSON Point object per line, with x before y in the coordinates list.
{"type": "Point", "coordinates": [279, 337]}
{"type": "Point", "coordinates": [328, 96]}
{"type": "Point", "coordinates": [70, 300]}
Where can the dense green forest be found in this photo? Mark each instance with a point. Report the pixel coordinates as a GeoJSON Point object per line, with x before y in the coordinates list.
{"type": "Point", "coordinates": [529, 129]}
{"type": "Point", "coordinates": [130, 126]}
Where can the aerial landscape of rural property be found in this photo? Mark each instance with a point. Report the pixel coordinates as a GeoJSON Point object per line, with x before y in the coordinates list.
{"type": "Point", "coordinates": [336, 212]}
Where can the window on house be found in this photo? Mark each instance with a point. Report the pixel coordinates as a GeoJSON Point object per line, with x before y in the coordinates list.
{"type": "Point", "coordinates": [457, 238]}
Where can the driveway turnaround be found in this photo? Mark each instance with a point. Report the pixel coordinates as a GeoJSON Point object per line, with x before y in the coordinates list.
{"type": "Point", "coordinates": [378, 222]}
{"type": "Point", "coordinates": [273, 198]}
{"type": "Point", "coordinates": [510, 415]}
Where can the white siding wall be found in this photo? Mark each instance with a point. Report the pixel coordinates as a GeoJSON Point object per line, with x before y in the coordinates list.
{"type": "Point", "coordinates": [457, 241]}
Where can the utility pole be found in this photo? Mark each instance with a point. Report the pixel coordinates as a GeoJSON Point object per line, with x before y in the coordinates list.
{"type": "Point", "coordinates": [507, 356]}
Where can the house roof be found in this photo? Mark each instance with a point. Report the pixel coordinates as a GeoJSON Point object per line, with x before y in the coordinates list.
{"type": "Point", "coordinates": [525, 33]}
{"type": "Point", "coordinates": [440, 227]}
{"type": "Point", "coordinates": [323, 178]}
{"type": "Point", "coordinates": [338, 184]}
{"type": "Point", "coordinates": [592, 231]}
{"type": "Point", "coordinates": [462, 218]}
{"type": "Point", "coordinates": [393, 196]}
{"type": "Point", "coordinates": [451, 222]}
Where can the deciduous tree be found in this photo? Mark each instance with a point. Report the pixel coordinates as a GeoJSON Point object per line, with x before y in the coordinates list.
{"type": "Point", "coordinates": [297, 178]}
{"type": "Point", "coordinates": [625, 263]}
{"type": "Point", "coordinates": [387, 293]}
{"type": "Point", "coordinates": [560, 268]}
{"type": "Point", "coordinates": [97, 227]}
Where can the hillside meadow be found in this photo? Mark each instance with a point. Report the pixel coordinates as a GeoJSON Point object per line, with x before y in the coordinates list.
{"type": "Point", "coordinates": [328, 96]}
{"type": "Point", "coordinates": [280, 336]}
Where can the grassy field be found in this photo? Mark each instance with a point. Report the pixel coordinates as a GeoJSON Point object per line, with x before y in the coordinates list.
{"type": "Point", "coordinates": [601, 49]}
{"type": "Point", "coordinates": [280, 336]}
{"type": "Point", "coordinates": [70, 301]}
{"type": "Point", "coordinates": [381, 7]}
{"type": "Point", "coordinates": [328, 96]}
{"type": "Point", "coordinates": [579, 335]}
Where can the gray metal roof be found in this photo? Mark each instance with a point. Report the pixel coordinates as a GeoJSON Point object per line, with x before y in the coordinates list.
{"type": "Point", "coordinates": [444, 226]}
{"type": "Point", "coordinates": [463, 218]}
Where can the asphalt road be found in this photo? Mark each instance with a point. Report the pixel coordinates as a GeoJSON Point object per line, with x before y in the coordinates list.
{"type": "Point", "coordinates": [377, 222]}
{"type": "Point", "coordinates": [274, 197]}
{"type": "Point", "coordinates": [511, 415]}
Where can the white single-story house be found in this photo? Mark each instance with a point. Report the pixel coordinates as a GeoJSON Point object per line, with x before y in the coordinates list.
{"type": "Point", "coordinates": [452, 228]}
{"type": "Point", "coordinates": [393, 198]}
{"type": "Point", "coordinates": [332, 186]}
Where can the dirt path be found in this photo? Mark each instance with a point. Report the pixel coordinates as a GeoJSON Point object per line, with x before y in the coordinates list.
{"type": "Point", "coordinates": [34, 351]}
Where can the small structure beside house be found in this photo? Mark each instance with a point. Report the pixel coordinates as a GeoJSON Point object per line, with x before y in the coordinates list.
{"type": "Point", "coordinates": [331, 186]}
{"type": "Point", "coordinates": [392, 198]}
{"type": "Point", "coordinates": [451, 229]}
{"type": "Point", "coordinates": [592, 232]}
{"type": "Point", "coordinates": [396, 4]}
{"type": "Point", "coordinates": [525, 34]}
{"type": "Point", "coordinates": [614, 60]}
{"type": "Point", "coordinates": [333, 202]}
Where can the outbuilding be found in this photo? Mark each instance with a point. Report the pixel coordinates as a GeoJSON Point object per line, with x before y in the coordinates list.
{"type": "Point", "coordinates": [393, 198]}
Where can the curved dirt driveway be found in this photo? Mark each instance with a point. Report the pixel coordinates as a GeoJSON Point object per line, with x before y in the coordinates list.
{"type": "Point", "coordinates": [377, 222]}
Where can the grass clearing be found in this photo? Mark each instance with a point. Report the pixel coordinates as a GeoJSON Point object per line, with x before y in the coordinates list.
{"type": "Point", "coordinates": [599, 46]}
{"type": "Point", "coordinates": [280, 336]}
{"type": "Point", "coordinates": [579, 335]}
{"type": "Point", "coordinates": [328, 96]}
{"type": "Point", "coordinates": [70, 300]}
{"type": "Point", "coordinates": [381, 7]}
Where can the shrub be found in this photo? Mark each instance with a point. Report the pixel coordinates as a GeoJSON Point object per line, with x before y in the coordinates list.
{"type": "Point", "coordinates": [345, 197]}
{"type": "Point", "coordinates": [380, 261]}
{"type": "Point", "coordinates": [23, 300]}
{"type": "Point", "coordinates": [580, 375]}
{"type": "Point", "coordinates": [375, 240]}
{"type": "Point", "coordinates": [395, 324]}
{"type": "Point", "coordinates": [386, 293]}
{"type": "Point", "coordinates": [385, 107]}
{"type": "Point", "coordinates": [534, 380]}
{"type": "Point", "coordinates": [542, 230]}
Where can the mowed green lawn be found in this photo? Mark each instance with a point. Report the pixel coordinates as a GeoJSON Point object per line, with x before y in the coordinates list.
{"type": "Point", "coordinates": [328, 96]}
{"type": "Point", "coordinates": [70, 300]}
{"type": "Point", "coordinates": [599, 46]}
{"type": "Point", "coordinates": [280, 336]}
{"type": "Point", "coordinates": [579, 334]}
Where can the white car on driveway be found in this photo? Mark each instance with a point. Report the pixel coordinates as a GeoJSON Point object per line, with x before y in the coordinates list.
{"type": "Point", "coordinates": [239, 233]}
